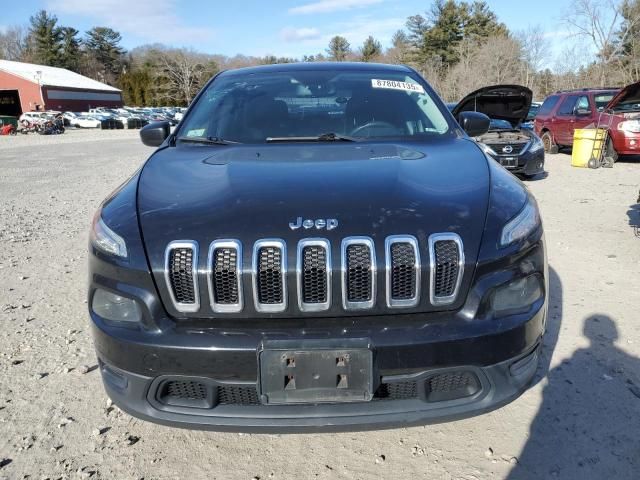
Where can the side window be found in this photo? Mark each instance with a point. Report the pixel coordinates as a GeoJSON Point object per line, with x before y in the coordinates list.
{"type": "Point", "coordinates": [582, 105]}
{"type": "Point", "coordinates": [567, 105]}
{"type": "Point", "coordinates": [548, 104]}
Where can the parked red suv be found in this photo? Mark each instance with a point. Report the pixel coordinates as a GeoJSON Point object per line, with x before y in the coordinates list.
{"type": "Point", "coordinates": [611, 108]}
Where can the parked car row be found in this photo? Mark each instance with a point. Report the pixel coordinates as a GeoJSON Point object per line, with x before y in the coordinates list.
{"type": "Point", "coordinates": [109, 118]}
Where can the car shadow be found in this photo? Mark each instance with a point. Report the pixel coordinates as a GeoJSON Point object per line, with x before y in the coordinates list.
{"type": "Point", "coordinates": [588, 422]}
{"type": "Point", "coordinates": [534, 178]}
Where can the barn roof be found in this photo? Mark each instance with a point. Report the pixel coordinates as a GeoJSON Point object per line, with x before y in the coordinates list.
{"type": "Point", "coordinates": [53, 76]}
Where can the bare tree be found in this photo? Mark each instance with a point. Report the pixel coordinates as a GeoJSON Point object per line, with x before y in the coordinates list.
{"type": "Point", "coordinates": [598, 21]}
{"type": "Point", "coordinates": [535, 52]}
{"type": "Point", "coordinates": [13, 44]}
{"type": "Point", "coordinates": [185, 72]}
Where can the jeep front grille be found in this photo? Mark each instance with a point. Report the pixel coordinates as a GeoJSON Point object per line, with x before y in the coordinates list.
{"type": "Point", "coordinates": [403, 271]}
{"type": "Point", "coordinates": [314, 275]}
{"type": "Point", "coordinates": [225, 276]}
{"type": "Point", "coordinates": [269, 275]}
{"type": "Point", "coordinates": [182, 276]}
{"type": "Point", "coordinates": [226, 271]}
{"type": "Point", "coordinates": [446, 267]}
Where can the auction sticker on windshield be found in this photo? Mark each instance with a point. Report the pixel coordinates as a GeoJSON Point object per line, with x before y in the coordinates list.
{"type": "Point", "coordinates": [397, 85]}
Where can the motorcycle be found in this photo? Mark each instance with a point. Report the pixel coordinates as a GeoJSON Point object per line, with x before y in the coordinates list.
{"type": "Point", "coordinates": [27, 126]}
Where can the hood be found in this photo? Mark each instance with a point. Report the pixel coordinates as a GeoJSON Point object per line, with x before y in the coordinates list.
{"type": "Point", "coordinates": [628, 95]}
{"type": "Point", "coordinates": [248, 193]}
{"type": "Point", "coordinates": [502, 102]}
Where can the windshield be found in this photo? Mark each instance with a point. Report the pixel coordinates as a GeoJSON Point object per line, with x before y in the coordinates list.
{"type": "Point", "coordinates": [533, 111]}
{"type": "Point", "coordinates": [498, 124]}
{"type": "Point", "coordinates": [603, 99]}
{"type": "Point", "coordinates": [261, 107]}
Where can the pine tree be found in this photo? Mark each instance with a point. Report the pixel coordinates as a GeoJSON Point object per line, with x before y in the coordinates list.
{"type": "Point", "coordinates": [338, 49]}
{"type": "Point", "coordinates": [44, 39]}
{"type": "Point", "coordinates": [371, 49]}
{"type": "Point", "coordinates": [70, 53]}
{"type": "Point", "coordinates": [102, 46]}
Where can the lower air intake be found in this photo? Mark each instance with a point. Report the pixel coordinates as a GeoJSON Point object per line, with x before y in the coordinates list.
{"type": "Point", "coordinates": [452, 385]}
{"type": "Point", "coordinates": [397, 391]}
{"type": "Point", "coordinates": [238, 395]}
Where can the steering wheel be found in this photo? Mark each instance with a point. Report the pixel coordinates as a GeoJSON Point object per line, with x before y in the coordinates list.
{"type": "Point", "coordinates": [373, 124]}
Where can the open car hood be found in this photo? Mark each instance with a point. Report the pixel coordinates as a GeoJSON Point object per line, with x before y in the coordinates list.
{"type": "Point", "coordinates": [503, 102]}
{"type": "Point", "coordinates": [629, 94]}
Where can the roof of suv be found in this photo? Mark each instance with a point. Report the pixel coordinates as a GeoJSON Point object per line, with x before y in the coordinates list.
{"type": "Point", "coordinates": [301, 66]}
{"type": "Point", "coordinates": [587, 90]}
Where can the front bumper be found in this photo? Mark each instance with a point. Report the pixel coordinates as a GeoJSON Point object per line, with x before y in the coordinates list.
{"type": "Point", "coordinates": [528, 163]}
{"type": "Point", "coordinates": [626, 143]}
{"type": "Point", "coordinates": [499, 384]}
{"type": "Point", "coordinates": [499, 358]}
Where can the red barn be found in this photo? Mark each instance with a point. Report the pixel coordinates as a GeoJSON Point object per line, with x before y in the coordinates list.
{"type": "Point", "coordinates": [26, 87]}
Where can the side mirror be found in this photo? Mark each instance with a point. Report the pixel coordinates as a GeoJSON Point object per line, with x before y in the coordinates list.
{"type": "Point", "coordinates": [153, 134]}
{"type": "Point", "coordinates": [583, 112]}
{"type": "Point", "coordinates": [474, 123]}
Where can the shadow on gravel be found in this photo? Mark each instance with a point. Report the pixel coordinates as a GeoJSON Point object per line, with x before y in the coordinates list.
{"type": "Point", "coordinates": [587, 426]}
{"type": "Point", "coordinates": [634, 217]}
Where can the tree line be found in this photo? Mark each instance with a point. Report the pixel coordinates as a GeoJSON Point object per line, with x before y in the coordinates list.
{"type": "Point", "coordinates": [457, 45]}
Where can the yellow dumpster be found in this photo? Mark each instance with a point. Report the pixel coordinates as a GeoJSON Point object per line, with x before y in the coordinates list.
{"type": "Point", "coordinates": [587, 144]}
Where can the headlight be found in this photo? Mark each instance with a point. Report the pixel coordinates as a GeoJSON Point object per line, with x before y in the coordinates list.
{"type": "Point", "coordinates": [522, 225]}
{"type": "Point", "coordinates": [105, 239]}
{"type": "Point", "coordinates": [536, 144]}
{"type": "Point", "coordinates": [516, 295]}
{"type": "Point", "coordinates": [631, 126]}
{"type": "Point", "coordinates": [115, 308]}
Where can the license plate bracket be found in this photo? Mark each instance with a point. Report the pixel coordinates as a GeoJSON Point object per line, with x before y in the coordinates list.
{"type": "Point", "coordinates": [315, 374]}
{"type": "Point", "coordinates": [509, 162]}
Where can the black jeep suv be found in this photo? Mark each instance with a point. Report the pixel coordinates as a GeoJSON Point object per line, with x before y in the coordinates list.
{"type": "Point", "coordinates": [317, 247]}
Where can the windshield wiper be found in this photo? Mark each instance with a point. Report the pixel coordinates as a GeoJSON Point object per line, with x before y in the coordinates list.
{"type": "Point", "coordinates": [325, 137]}
{"type": "Point", "coordinates": [208, 140]}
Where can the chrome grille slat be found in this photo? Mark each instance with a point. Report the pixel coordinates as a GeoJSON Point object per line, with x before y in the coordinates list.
{"type": "Point", "coordinates": [314, 274]}
{"type": "Point", "coordinates": [181, 275]}
{"type": "Point", "coordinates": [269, 270]}
{"type": "Point", "coordinates": [402, 256]}
{"type": "Point", "coordinates": [358, 260]}
{"type": "Point", "coordinates": [446, 255]}
{"type": "Point", "coordinates": [224, 276]}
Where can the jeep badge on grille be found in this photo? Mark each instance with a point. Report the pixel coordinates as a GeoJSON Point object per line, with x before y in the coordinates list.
{"type": "Point", "coordinates": [320, 223]}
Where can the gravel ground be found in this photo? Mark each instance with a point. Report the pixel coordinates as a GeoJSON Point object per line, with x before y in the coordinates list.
{"type": "Point", "coordinates": [580, 418]}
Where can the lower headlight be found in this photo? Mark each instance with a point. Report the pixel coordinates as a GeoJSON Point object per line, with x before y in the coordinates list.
{"type": "Point", "coordinates": [517, 295]}
{"type": "Point", "coordinates": [116, 308]}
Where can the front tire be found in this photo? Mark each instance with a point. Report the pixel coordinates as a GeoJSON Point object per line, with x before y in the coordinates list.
{"type": "Point", "coordinates": [610, 154]}
{"type": "Point", "coordinates": [549, 145]}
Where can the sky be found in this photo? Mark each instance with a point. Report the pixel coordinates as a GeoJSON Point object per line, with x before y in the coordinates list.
{"type": "Point", "coordinates": [276, 27]}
